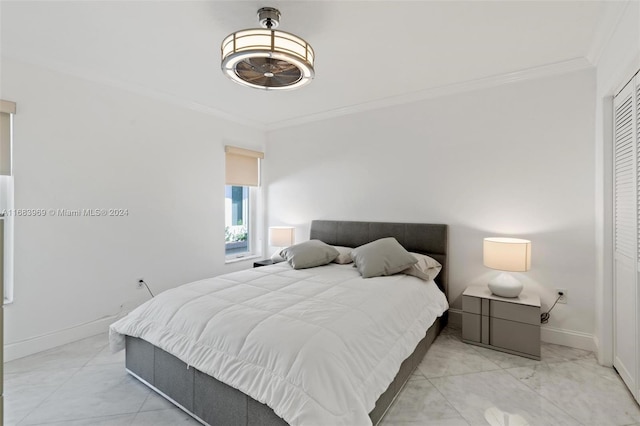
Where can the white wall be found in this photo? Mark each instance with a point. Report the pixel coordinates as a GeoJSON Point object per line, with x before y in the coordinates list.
{"type": "Point", "coordinates": [79, 144]}
{"type": "Point", "coordinates": [619, 60]}
{"type": "Point", "coordinates": [511, 160]}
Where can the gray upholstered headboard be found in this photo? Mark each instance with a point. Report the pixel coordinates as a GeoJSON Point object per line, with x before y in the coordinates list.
{"type": "Point", "coordinates": [424, 238]}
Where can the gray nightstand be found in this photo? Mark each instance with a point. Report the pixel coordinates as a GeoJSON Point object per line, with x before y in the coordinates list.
{"type": "Point", "coordinates": [506, 324]}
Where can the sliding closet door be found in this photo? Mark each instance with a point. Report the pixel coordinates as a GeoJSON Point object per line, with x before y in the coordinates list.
{"type": "Point", "coordinates": [626, 236]}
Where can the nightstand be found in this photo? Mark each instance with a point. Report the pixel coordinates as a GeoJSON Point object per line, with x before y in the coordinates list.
{"type": "Point", "coordinates": [264, 262]}
{"type": "Point", "coordinates": [506, 324]}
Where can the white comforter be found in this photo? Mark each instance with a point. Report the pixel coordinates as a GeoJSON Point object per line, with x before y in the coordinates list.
{"type": "Point", "coordinates": [319, 345]}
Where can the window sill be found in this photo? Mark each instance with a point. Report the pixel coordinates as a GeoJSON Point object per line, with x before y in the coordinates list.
{"type": "Point", "coordinates": [240, 259]}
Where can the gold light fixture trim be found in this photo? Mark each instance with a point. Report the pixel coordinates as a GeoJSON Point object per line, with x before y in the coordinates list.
{"type": "Point", "coordinates": [268, 59]}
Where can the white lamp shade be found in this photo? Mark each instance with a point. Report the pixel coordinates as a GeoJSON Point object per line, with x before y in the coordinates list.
{"type": "Point", "coordinates": [507, 254]}
{"type": "Point", "coordinates": [281, 236]}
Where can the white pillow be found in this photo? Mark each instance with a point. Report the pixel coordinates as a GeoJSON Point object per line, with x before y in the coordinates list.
{"type": "Point", "coordinates": [345, 255]}
{"type": "Point", "coordinates": [426, 269]}
{"type": "Point", "coordinates": [276, 258]}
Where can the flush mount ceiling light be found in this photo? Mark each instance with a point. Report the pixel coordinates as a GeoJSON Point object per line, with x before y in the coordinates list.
{"type": "Point", "coordinates": [266, 58]}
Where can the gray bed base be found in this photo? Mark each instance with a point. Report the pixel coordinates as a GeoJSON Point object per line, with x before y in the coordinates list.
{"type": "Point", "coordinates": [215, 403]}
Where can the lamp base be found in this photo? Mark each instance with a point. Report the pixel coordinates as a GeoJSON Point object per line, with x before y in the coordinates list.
{"type": "Point", "coordinates": [505, 285]}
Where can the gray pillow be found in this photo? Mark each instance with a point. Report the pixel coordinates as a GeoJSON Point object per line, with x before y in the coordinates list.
{"type": "Point", "coordinates": [309, 254]}
{"type": "Point", "coordinates": [382, 257]}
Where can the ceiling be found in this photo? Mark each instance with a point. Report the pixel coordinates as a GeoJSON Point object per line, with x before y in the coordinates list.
{"type": "Point", "coordinates": [367, 52]}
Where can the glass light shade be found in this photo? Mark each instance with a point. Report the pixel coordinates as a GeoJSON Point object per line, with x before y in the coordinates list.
{"type": "Point", "coordinates": [281, 236]}
{"type": "Point", "coordinates": [264, 43]}
{"type": "Point", "coordinates": [507, 254]}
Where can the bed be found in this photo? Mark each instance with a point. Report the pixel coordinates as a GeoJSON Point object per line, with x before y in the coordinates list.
{"type": "Point", "coordinates": [183, 371]}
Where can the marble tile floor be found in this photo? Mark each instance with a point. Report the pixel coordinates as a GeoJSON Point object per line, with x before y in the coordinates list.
{"type": "Point", "coordinates": [461, 384]}
{"type": "Point", "coordinates": [83, 384]}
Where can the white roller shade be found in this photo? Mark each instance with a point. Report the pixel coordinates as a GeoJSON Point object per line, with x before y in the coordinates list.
{"type": "Point", "coordinates": [6, 109]}
{"type": "Point", "coordinates": [242, 166]}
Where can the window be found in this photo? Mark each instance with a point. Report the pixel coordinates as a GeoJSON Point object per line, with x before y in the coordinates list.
{"type": "Point", "coordinates": [242, 177]}
{"type": "Point", "coordinates": [6, 205]}
{"type": "Point", "coordinates": [237, 220]}
{"type": "Point", "coordinates": [7, 109]}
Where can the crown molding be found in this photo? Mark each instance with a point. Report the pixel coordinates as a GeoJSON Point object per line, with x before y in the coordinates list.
{"type": "Point", "coordinates": [94, 76]}
{"type": "Point", "coordinates": [558, 68]}
{"type": "Point", "coordinates": [605, 31]}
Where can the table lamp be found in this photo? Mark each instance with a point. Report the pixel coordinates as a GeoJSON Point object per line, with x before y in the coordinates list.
{"type": "Point", "coordinates": [281, 236]}
{"type": "Point", "coordinates": [508, 255]}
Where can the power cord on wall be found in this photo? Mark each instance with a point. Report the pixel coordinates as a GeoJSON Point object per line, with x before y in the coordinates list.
{"type": "Point", "coordinates": [141, 282]}
{"type": "Point", "coordinates": [544, 317]}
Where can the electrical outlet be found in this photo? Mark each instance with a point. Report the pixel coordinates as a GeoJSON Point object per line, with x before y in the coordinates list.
{"type": "Point", "coordinates": [139, 282]}
{"type": "Point", "coordinates": [563, 298]}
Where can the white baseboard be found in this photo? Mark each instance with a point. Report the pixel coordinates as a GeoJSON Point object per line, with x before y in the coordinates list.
{"type": "Point", "coordinates": [58, 338]}
{"type": "Point", "coordinates": [574, 339]}
{"type": "Point", "coordinates": [604, 357]}
{"type": "Point", "coordinates": [558, 336]}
